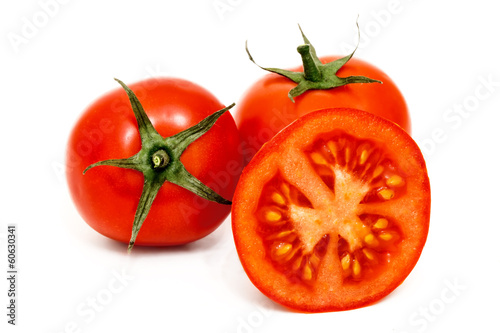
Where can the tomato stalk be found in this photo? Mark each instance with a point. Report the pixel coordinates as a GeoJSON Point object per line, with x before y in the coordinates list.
{"type": "Point", "coordinates": [312, 70]}
{"type": "Point", "coordinates": [316, 75]}
{"type": "Point", "coordinates": [159, 161]}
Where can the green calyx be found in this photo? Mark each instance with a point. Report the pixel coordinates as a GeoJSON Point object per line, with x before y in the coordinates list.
{"type": "Point", "coordinates": [159, 161]}
{"type": "Point", "coordinates": [316, 75]}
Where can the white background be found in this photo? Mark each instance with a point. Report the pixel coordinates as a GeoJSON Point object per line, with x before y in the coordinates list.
{"type": "Point", "coordinates": [444, 56]}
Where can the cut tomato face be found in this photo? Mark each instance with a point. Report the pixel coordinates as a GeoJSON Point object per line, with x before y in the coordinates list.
{"type": "Point", "coordinates": [332, 213]}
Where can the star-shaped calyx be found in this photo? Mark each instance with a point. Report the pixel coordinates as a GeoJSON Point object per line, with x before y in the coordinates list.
{"type": "Point", "coordinates": [159, 161]}
{"type": "Point", "coordinates": [316, 75]}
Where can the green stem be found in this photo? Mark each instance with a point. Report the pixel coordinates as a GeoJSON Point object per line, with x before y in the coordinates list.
{"type": "Point", "coordinates": [160, 159]}
{"type": "Point", "coordinates": [311, 70]}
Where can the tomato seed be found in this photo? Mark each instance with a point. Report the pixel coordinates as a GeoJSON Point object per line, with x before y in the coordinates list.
{"type": "Point", "coordinates": [318, 159]}
{"type": "Point", "coordinates": [369, 254]}
{"type": "Point", "coordinates": [307, 272]}
{"type": "Point", "coordinates": [363, 157]}
{"type": "Point", "coordinates": [282, 249]}
{"type": "Point", "coordinates": [385, 236]}
{"type": "Point", "coordinates": [278, 198]}
{"type": "Point", "coordinates": [381, 223]}
{"type": "Point", "coordinates": [386, 194]}
{"type": "Point", "coordinates": [378, 171]}
{"type": "Point", "coordinates": [395, 181]}
{"type": "Point", "coordinates": [356, 268]}
{"type": "Point", "coordinates": [346, 262]}
{"type": "Point", "coordinates": [273, 216]}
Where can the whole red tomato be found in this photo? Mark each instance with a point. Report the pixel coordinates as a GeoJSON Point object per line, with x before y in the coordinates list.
{"type": "Point", "coordinates": [281, 97]}
{"type": "Point", "coordinates": [144, 163]}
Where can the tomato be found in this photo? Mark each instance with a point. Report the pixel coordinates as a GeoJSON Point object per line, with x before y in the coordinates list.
{"type": "Point", "coordinates": [333, 212]}
{"type": "Point", "coordinates": [267, 107]}
{"type": "Point", "coordinates": [114, 200]}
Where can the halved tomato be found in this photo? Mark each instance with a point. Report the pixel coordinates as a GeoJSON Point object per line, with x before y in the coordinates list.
{"type": "Point", "coordinates": [332, 213]}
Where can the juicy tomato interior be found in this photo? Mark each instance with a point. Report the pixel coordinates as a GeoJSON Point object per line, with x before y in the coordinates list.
{"type": "Point", "coordinates": [355, 172]}
{"type": "Point", "coordinates": [335, 204]}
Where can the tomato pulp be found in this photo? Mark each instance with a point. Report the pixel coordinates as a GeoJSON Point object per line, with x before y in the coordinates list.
{"type": "Point", "coordinates": [333, 212]}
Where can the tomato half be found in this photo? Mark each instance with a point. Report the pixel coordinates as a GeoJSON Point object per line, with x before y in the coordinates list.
{"type": "Point", "coordinates": [107, 197]}
{"type": "Point", "coordinates": [333, 212]}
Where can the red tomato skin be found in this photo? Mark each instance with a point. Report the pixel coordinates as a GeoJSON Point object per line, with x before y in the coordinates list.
{"type": "Point", "coordinates": [266, 108]}
{"type": "Point", "coordinates": [107, 197]}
